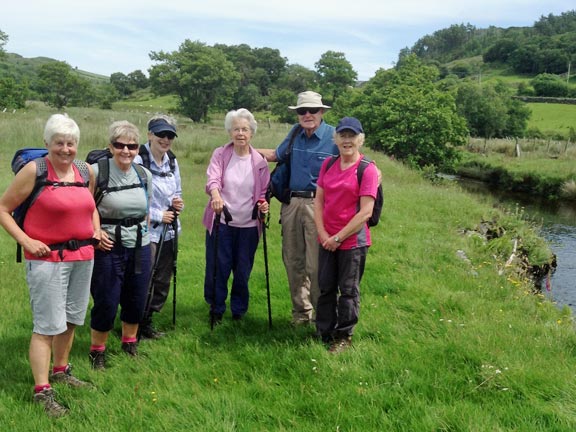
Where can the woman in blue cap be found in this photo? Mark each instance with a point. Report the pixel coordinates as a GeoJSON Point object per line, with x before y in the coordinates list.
{"type": "Point", "coordinates": [341, 210]}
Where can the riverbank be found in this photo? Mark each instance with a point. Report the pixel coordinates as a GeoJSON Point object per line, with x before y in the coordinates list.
{"type": "Point", "coordinates": [450, 337]}
{"type": "Point", "coordinates": [547, 174]}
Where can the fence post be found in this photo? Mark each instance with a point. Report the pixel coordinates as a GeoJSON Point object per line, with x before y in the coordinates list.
{"type": "Point", "coordinates": [517, 147]}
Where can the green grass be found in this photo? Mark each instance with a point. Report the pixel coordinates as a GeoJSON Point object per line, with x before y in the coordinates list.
{"type": "Point", "coordinates": [549, 117]}
{"type": "Point", "coordinates": [443, 344]}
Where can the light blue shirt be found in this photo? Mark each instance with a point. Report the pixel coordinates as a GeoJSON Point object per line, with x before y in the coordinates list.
{"type": "Point", "coordinates": [164, 189]}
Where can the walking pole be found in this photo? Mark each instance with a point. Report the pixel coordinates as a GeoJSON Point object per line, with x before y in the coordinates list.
{"type": "Point", "coordinates": [264, 218]}
{"type": "Point", "coordinates": [153, 276]}
{"type": "Point", "coordinates": [216, 230]}
{"type": "Point", "coordinates": [174, 266]}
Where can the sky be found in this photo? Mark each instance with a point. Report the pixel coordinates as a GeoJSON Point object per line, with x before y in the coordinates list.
{"type": "Point", "coordinates": [107, 36]}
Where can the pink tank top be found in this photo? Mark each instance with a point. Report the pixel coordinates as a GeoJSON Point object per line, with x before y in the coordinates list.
{"type": "Point", "coordinates": [60, 214]}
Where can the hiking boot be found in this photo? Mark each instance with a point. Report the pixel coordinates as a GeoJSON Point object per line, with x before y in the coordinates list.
{"type": "Point", "coordinates": [130, 348]}
{"type": "Point", "coordinates": [67, 378]}
{"type": "Point", "coordinates": [237, 317]}
{"type": "Point", "coordinates": [51, 407]}
{"type": "Point", "coordinates": [149, 332]}
{"type": "Point", "coordinates": [97, 360]}
{"type": "Point", "coordinates": [339, 345]}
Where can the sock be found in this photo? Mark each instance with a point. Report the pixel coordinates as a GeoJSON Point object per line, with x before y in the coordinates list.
{"type": "Point", "coordinates": [39, 388]}
{"type": "Point", "coordinates": [59, 369]}
{"type": "Point", "coordinates": [99, 348]}
{"type": "Point", "coordinates": [126, 339]}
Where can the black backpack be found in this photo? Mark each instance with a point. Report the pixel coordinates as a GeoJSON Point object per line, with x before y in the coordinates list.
{"type": "Point", "coordinates": [379, 201]}
{"type": "Point", "coordinates": [145, 155]}
{"type": "Point", "coordinates": [21, 158]}
{"type": "Point", "coordinates": [101, 157]}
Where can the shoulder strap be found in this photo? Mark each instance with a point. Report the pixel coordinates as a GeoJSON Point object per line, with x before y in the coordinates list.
{"type": "Point", "coordinates": [288, 154]}
{"type": "Point", "coordinates": [364, 162]}
{"type": "Point", "coordinates": [83, 169]}
{"type": "Point", "coordinates": [145, 155]}
{"type": "Point", "coordinates": [102, 180]}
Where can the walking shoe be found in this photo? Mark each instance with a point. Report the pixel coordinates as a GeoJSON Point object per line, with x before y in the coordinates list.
{"type": "Point", "coordinates": [97, 360]}
{"type": "Point", "coordinates": [130, 348]}
{"type": "Point", "coordinates": [51, 407]}
{"type": "Point", "coordinates": [149, 332]}
{"type": "Point", "coordinates": [67, 378]}
{"type": "Point", "coordinates": [237, 317]}
{"type": "Point", "coordinates": [339, 345]}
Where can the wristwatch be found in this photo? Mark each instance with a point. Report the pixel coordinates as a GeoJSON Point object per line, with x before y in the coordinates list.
{"type": "Point", "coordinates": [337, 239]}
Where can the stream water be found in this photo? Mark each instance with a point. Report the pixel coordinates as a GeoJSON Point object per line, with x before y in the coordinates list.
{"type": "Point", "coordinates": [558, 226]}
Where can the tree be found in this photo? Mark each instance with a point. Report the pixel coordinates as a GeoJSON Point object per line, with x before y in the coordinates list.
{"type": "Point", "coordinates": [199, 75]}
{"type": "Point", "coordinates": [405, 115]}
{"type": "Point", "coordinates": [490, 111]}
{"type": "Point", "coordinates": [138, 80]}
{"type": "Point", "coordinates": [59, 86]}
{"type": "Point", "coordinates": [12, 94]}
{"type": "Point", "coordinates": [3, 41]}
{"type": "Point", "coordinates": [121, 83]}
{"type": "Point", "coordinates": [297, 79]}
{"type": "Point", "coordinates": [549, 85]}
{"type": "Point", "coordinates": [335, 74]}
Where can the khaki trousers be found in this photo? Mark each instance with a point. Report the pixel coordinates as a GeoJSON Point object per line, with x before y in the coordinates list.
{"type": "Point", "coordinates": [300, 256]}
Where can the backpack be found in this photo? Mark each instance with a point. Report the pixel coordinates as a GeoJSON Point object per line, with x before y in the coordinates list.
{"type": "Point", "coordinates": [279, 186]}
{"type": "Point", "coordinates": [379, 201]}
{"type": "Point", "coordinates": [145, 155]}
{"type": "Point", "coordinates": [101, 157]}
{"type": "Point", "coordinates": [20, 159]}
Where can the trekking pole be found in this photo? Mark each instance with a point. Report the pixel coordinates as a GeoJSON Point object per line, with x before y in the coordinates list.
{"type": "Point", "coordinates": [153, 277]}
{"type": "Point", "coordinates": [174, 266]}
{"type": "Point", "coordinates": [264, 219]}
{"type": "Point", "coordinates": [216, 230]}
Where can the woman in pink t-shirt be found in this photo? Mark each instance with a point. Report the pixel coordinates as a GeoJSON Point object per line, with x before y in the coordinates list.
{"type": "Point", "coordinates": [341, 209]}
{"type": "Point", "coordinates": [237, 180]}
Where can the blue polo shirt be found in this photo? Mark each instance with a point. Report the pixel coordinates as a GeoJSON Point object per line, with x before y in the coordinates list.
{"type": "Point", "coordinates": [308, 153]}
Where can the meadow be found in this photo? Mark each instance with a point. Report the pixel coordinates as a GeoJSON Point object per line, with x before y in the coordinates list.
{"type": "Point", "coordinates": [449, 338]}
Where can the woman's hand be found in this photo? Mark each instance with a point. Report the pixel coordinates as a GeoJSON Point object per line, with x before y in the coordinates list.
{"type": "Point", "coordinates": [37, 248]}
{"type": "Point", "coordinates": [106, 243]}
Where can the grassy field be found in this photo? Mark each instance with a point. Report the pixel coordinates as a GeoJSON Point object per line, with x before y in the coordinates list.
{"type": "Point", "coordinates": [557, 118]}
{"type": "Point", "coordinates": [449, 339]}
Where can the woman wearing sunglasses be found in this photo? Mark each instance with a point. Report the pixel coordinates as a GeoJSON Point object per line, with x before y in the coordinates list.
{"type": "Point", "coordinates": [122, 259]}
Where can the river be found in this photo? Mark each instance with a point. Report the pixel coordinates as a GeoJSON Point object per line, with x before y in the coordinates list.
{"type": "Point", "coordinates": [558, 227]}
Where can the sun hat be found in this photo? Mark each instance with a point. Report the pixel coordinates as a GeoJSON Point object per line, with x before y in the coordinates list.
{"type": "Point", "coordinates": [309, 99]}
{"type": "Point", "coordinates": [349, 123]}
{"type": "Point", "coordinates": [161, 125]}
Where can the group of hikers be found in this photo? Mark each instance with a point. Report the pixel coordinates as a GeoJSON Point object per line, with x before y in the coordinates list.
{"type": "Point", "coordinates": [108, 228]}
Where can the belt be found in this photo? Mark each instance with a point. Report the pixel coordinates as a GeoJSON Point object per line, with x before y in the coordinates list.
{"type": "Point", "coordinates": [302, 194]}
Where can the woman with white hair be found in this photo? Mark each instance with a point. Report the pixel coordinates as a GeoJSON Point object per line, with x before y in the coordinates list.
{"type": "Point", "coordinates": [57, 235]}
{"type": "Point", "coordinates": [237, 180]}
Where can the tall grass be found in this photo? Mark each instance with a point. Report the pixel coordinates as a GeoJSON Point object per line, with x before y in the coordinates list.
{"type": "Point", "coordinates": [443, 343]}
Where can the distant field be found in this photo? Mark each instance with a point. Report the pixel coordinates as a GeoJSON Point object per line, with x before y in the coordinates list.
{"type": "Point", "coordinates": [552, 117]}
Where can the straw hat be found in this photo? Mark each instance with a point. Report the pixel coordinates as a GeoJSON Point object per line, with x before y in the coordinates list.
{"type": "Point", "coordinates": [309, 99]}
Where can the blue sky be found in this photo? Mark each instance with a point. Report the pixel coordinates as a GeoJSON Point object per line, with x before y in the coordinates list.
{"type": "Point", "coordinates": [108, 36]}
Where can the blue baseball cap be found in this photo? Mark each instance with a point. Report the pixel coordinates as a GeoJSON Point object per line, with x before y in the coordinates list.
{"type": "Point", "coordinates": [161, 125]}
{"type": "Point", "coordinates": [349, 123]}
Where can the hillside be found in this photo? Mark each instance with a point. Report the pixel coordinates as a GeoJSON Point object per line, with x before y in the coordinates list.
{"type": "Point", "coordinates": [25, 69]}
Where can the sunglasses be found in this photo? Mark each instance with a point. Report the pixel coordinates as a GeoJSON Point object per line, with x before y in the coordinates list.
{"type": "Point", "coordinates": [164, 134]}
{"type": "Point", "coordinates": [120, 146]}
{"type": "Point", "coordinates": [303, 111]}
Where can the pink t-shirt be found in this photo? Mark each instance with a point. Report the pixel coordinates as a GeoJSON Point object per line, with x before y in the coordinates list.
{"type": "Point", "coordinates": [60, 214]}
{"type": "Point", "coordinates": [342, 199]}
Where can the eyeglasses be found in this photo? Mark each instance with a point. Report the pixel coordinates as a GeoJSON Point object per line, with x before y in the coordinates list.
{"type": "Point", "coordinates": [120, 146]}
{"type": "Point", "coordinates": [164, 134]}
{"type": "Point", "coordinates": [303, 111]}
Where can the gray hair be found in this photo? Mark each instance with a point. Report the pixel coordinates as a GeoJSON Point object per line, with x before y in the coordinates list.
{"type": "Point", "coordinates": [158, 116]}
{"type": "Point", "coordinates": [242, 113]}
{"type": "Point", "coordinates": [123, 128]}
{"type": "Point", "coordinates": [61, 124]}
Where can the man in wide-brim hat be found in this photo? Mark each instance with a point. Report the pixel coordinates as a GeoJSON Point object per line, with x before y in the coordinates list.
{"type": "Point", "coordinates": [312, 142]}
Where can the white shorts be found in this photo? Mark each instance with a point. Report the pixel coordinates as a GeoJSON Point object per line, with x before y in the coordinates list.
{"type": "Point", "coordinates": [59, 293]}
